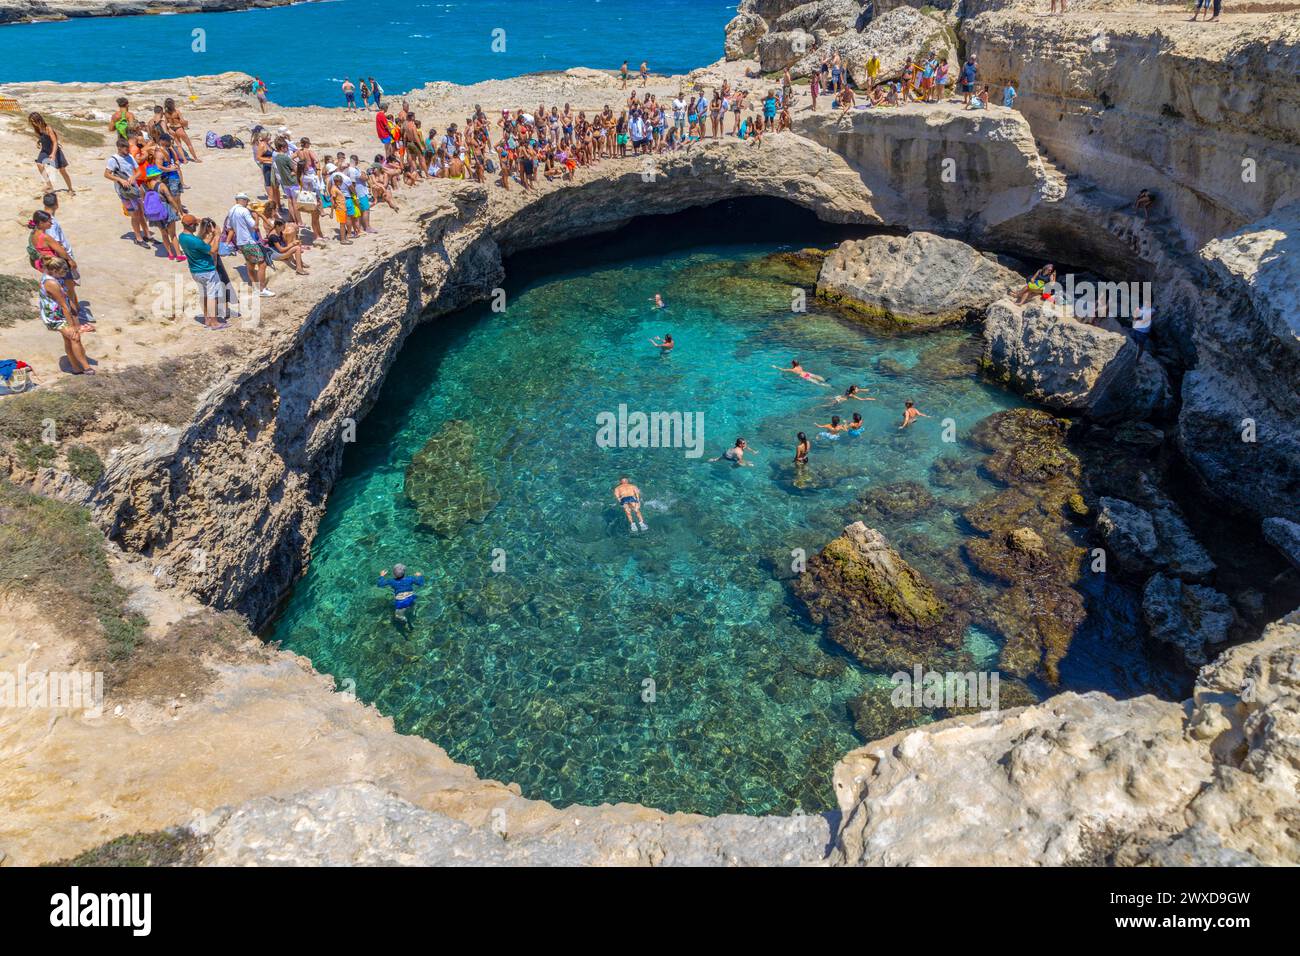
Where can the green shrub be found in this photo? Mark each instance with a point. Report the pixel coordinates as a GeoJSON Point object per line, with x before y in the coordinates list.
{"type": "Point", "coordinates": [17, 300]}
{"type": "Point", "coordinates": [83, 463]}
{"type": "Point", "coordinates": [53, 556]}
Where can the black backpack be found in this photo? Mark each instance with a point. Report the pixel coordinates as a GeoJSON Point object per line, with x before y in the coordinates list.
{"type": "Point", "coordinates": [231, 142]}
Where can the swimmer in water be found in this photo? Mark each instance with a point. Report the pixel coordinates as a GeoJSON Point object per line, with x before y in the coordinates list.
{"type": "Point", "coordinates": [736, 453]}
{"type": "Point", "coordinates": [658, 300]}
{"type": "Point", "coordinates": [801, 450]}
{"type": "Point", "coordinates": [852, 392]}
{"type": "Point", "coordinates": [910, 414]}
{"type": "Point", "coordinates": [834, 428]}
{"type": "Point", "coordinates": [403, 588]}
{"type": "Point", "coordinates": [855, 426]}
{"type": "Point", "coordinates": [629, 496]}
{"type": "Point", "coordinates": [664, 345]}
{"type": "Point", "coordinates": [797, 369]}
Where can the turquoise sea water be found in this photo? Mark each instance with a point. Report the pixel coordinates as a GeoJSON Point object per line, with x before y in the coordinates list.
{"type": "Point", "coordinates": [304, 51]}
{"type": "Point", "coordinates": [536, 674]}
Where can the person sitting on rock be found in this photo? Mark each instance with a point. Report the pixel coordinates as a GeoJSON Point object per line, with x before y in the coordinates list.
{"type": "Point", "coordinates": [1036, 284]}
{"type": "Point", "coordinates": [403, 591]}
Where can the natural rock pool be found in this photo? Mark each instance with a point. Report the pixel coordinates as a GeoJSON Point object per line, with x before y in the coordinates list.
{"type": "Point", "coordinates": [537, 673]}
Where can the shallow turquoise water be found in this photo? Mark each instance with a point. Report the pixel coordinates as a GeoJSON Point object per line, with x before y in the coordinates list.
{"type": "Point", "coordinates": [402, 43]}
{"type": "Point", "coordinates": [536, 675]}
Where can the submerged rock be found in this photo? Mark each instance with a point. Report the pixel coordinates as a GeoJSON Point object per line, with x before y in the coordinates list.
{"type": "Point", "coordinates": [896, 501]}
{"type": "Point", "coordinates": [1026, 444]}
{"type": "Point", "coordinates": [445, 483]}
{"type": "Point", "coordinates": [914, 282]}
{"type": "Point", "coordinates": [877, 606]}
{"type": "Point", "coordinates": [1191, 618]}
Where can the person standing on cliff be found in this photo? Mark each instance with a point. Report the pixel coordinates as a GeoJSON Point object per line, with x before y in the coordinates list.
{"type": "Point", "coordinates": [967, 80]}
{"type": "Point", "coordinates": [403, 589]}
{"type": "Point", "coordinates": [259, 90]}
{"type": "Point", "coordinates": [349, 95]}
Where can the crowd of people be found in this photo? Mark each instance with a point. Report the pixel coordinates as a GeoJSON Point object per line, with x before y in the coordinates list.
{"type": "Point", "coordinates": [309, 195]}
{"type": "Point", "coordinates": [927, 79]}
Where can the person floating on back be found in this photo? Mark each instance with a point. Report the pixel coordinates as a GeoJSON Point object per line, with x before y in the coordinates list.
{"type": "Point", "coordinates": [403, 591]}
{"type": "Point", "coordinates": [629, 496]}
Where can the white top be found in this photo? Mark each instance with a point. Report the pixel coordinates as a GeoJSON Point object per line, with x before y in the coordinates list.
{"type": "Point", "coordinates": [245, 226]}
{"type": "Point", "coordinates": [1142, 319]}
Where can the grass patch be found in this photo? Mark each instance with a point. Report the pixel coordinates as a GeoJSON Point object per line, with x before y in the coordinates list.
{"type": "Point", "coordinates": [51, 554]}
{"type": "Point", "coordinates": [177, 664]}
{"type": "Point", "coordinates": [34, 455]}
{"type": "Point", "coordinates": [83, 463]}
{"type": "Point", "coordinates": [17, 300]}
{"type": "Point", "coordinates": [166, 393]}
{"type": "Point", "coordinates": [175, 846]}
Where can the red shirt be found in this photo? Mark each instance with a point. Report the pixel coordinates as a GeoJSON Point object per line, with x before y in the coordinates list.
{"type": "Point", "coordinates": [381, 125]}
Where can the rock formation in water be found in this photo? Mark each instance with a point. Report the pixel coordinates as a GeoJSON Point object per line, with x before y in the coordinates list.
{"type": "Point", "coordinates": [878, 607]}
{"type": "Point", "coordinates": [915, 282]}
{"type": "Point", "coordinates": [1073, 366]}
{"type": "Point", "coordinates": [446, 483]}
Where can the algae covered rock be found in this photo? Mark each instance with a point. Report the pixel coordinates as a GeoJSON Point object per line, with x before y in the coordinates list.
{"type": "Point", "coordinates": [896, 501]}
{"type": "Point", "coordinates": [445, 483]}
{"type": "Point", "coordinates": [1026, 444]}
{"type": "Point", "coordinates": [877, 606]}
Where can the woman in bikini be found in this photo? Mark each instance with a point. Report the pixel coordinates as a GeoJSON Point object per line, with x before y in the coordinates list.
{"type": "Point", "coordinates": [797, 369]}
{"type": "Point", "coordinates": [852, 392]}
{"type": "Point", "coordinates": [801, 450]}
{"type": "Point", "coordinates": [178, 126]}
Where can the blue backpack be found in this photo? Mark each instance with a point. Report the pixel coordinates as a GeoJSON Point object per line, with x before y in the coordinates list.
{"type": "Point", "coordinates": [212, 140]}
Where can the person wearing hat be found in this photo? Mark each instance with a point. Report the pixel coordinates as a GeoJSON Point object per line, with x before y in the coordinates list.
{"type": "Point", "coordinates": [201, 253]}
{"type": "Point", "coordinates": [241, 222]}
{"type": "Point", "coordinates": [162, 211]}
{"type": "Point", "coordinates": [403, 589]}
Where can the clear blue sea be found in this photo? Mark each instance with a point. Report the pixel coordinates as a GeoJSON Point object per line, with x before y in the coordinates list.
{"type": "Point", "coordinates": [534, 671]}
{"type": "Point", "coordinates": [304, 51]}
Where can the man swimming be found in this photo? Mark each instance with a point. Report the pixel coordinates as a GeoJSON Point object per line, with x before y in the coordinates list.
{"type": "Point", "coordinates": [833, 429]}
{"type": "Point", "coordinates": [797, 369]}
{"type": "Point", "coordinates": [658, 300]}
{"type": "Point", "coordinates": [855, 426]}
{"type": "Point", "coordinates": [665, 345]}
{"type": "Point", "coordinates": [736, 453]}
{"type": "Point", "coordinates": [910, 414]}
{"type": "Point", "coordinates": [629, 496]}
{"type": "Point", "coordinates": [403, 590]}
